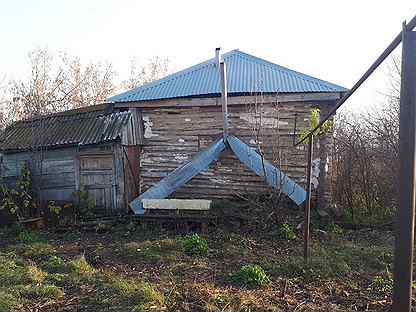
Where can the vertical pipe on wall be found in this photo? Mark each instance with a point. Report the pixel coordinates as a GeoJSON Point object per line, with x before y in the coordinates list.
{"type": "Point", "coordinates": [223, 77]}
{"type": "Point", "coordinates": [403, 254]}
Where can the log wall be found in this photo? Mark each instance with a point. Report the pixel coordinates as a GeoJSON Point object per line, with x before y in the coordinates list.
{"type": "Point", "coordinates": [174, 135]}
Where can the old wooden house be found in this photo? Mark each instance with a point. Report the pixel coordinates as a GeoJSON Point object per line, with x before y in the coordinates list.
{"type": "Point", "coordinates": [138, 138]}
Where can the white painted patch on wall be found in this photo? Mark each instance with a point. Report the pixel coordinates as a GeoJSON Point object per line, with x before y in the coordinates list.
{"type": "Point", "coordinates": [181, 141]}
{"type": "Point", "coordinates": [270, 121]}
{"type": "Point", "coordinates": [148, 128]}
{"type": "Point", "coordinates": [315, 172]}
{"type": "Point", "coordinates": [181, 157]}
{"type": "Point", "coordinates": [187, 119]}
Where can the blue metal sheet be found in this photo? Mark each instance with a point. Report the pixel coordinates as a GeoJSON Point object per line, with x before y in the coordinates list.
{"type": "Point", "coordinates": [180, 176]}
{"type": "Point", "coordinates": [245, 74]}
{"type": "Point", "coordinates": [274, 176]}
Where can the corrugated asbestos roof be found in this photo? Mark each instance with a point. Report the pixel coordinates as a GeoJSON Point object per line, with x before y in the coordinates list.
{"type": "Point", "coordinates": [245, 74]}
{"type": "Point", "coordinates": [68, 128]}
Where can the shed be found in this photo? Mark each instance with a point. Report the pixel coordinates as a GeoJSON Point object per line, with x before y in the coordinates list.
{"type": "Point", "coordinates": [84, 148]}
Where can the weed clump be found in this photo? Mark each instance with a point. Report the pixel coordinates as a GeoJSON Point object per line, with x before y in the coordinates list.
{"type": "Point", "coordinates": [81, 266]}
{"type": "Point", "coordinates": [381, 284]}
{"type": "Point", "coordinates": [35, 274]}
{"type": "Point", "coordinates": [150, 298]}
{"type": "Point", "coordinates": [195, 245]}
{"type": "Point", "coordinates": [250, 276]}
{"type": "Point", "coordinates": [45, 292]}
{"type": "Point", "coordinates": [55, 264]}
{"type": "Point", "coordinates": [287, 231]}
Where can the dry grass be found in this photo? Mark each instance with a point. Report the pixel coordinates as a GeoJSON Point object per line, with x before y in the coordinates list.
{"type": "Point", "coordinates": [128, 269]}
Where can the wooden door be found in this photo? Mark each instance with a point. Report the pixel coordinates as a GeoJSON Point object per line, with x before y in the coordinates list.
{"type": "Point", "coordinates": [97, 177]}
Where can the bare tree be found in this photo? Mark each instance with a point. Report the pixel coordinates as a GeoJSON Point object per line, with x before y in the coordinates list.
{"type": "Point", "coordinates": [3, 103]}
{"type": "Point", "coordinates": [366, 158]}
{"type": "Point", "coordinates": [156, 68]}
{"type": "Point", "coordinates": [58, 83]}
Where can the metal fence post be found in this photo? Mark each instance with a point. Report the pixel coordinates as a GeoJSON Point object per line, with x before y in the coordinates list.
{"type": "Point", "coordinates": [403, 255]}
{"type": "Point", "coordinates": [307, 219]}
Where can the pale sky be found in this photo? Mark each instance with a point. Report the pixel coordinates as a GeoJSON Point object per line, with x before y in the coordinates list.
{"type": "Point", "coordinates": [332, 40]}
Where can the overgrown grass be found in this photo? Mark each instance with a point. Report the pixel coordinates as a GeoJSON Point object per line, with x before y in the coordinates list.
{"type": "Point", "coordinates": [22, 282]}
{"type": "Point", "coordinates": [195, 245]}
{"type": "Point", "coordinates": [154, 272]}
{"type": "Point", "coordinates": [250, 276]}
{"type": "Point", "coordinates": [333, 261]}
{"type": "Point", "coordinates": [162, 250]}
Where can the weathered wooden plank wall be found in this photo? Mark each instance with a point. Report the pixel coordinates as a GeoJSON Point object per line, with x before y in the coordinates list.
{"type": "Point", "coordinates": [174, 135]}
{"type": "Point", "coordinates": [54, 177]}
{"type": "Point", "coordinates": [58, 173]}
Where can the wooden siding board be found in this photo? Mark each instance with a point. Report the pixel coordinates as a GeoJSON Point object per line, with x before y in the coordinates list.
{"type": "Point", "coordinates": [60, 173]}
{"type": "Point", "coordinates": [179, 133]}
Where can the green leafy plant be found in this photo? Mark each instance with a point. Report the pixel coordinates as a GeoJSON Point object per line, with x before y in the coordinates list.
{"type": "Point", "coordinates": [86, 205]}
{"type": "Point", "coordinates": [250, 276]}
{"type": "Point", "coordinates": [286, 231]}
{"type": "Point", "coordinates": [313, 123]}
{"type": "Point", "coordinates": [27, 237]}
{"type": "Point", "coordinates": [54, 208]}
{"type": "Point", "coordinates": [381, 284]}
{"type": "Point", "coordinates": [19, 201]}
{"type": "Point", "coordinates": [195, 245]}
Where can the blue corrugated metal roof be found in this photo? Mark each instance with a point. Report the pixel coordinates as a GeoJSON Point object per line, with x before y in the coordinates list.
{"type": "Point", "coordinates": [245, 74]}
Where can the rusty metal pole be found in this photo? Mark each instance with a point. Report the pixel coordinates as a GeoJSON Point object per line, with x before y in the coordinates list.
{"type": "Point", "coordinates": [403, 255]}
{"type": "Point", "coordinates": [307, 220]}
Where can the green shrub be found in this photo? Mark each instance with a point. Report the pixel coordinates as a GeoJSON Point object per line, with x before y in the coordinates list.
{"type": "Point", "coordinates": [195, 245]}
{"type": "Point", "coordinates": [286, 231]}
{"type": "Point", "coordinates": [86, 205]}
{"type": "Point", "coordinates": [27, 237]}
{"type": "Point", "coordinates": [250, 276]}
{"type": "Point", "coordinates": [381, 284]}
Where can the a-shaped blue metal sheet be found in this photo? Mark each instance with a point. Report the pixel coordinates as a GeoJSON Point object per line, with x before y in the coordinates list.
{"type": "Point", "coordinates": [201, 162]}
{"type": "Point", "coordinates": [180, 176]}
{"type": "Point", "coordinates": [262, 167]}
